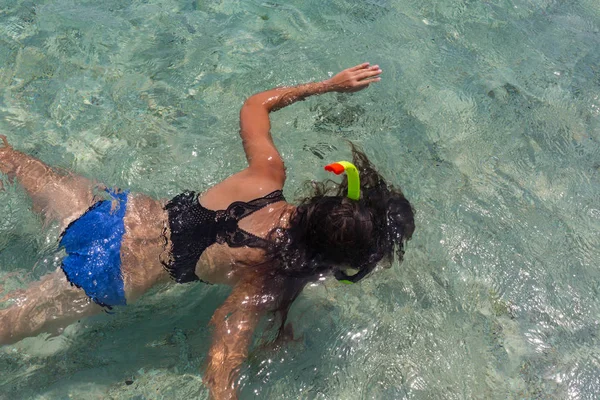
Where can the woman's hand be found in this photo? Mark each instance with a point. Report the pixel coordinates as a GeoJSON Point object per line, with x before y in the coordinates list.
{"type": "Point", "coordinates": [354, 79]}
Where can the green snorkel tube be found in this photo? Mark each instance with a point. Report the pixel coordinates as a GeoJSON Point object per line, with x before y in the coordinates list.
{"type": "Point", "coordinates": [352, 173]}
{"type": "Point", "coordinates": [353, 194]}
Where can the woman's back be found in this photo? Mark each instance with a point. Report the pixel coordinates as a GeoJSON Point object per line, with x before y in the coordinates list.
{"type": "Point", "coordinates": [148, 241]}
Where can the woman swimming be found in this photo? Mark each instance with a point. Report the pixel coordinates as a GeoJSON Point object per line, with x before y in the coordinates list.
{"type": "Point", "coordinates": [241, 232]}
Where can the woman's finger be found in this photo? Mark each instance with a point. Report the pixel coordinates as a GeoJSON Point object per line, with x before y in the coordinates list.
{"type": "Point", "coordinates": [359, 66]}
{"type": "Point", "coordinates": [365, 84]}
{"type": "Point", "coordinates": [366, 68]}
{"type": "Point", "coordinates": [367, 74]}
{"type": "Point", "coordinates": [370, 80]}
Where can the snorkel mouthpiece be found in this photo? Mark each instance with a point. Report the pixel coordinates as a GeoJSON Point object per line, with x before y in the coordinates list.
{"type": "Point", "coordinates": [352, 174]}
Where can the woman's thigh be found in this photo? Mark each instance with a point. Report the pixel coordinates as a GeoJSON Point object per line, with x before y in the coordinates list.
{"type": "Point", "coordinates": [48, 305]}
{"type": "Point", "coordinates": [61, 196]}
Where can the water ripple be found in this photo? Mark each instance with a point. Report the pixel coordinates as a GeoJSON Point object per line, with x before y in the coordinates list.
{"type": "Point", "coordinates": [487, 117]}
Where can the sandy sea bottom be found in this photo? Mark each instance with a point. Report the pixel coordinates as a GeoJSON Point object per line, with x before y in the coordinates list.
{"type": "Point", "coordinates": [487, 117]}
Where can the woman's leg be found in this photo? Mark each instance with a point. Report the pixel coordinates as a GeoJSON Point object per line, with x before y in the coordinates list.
{"type": "Point", "coordinates": [62, 197]}
{"type": "Point", "coordinates": [47, 305]}
{"type": "Point", "coordinates": [51, 303]}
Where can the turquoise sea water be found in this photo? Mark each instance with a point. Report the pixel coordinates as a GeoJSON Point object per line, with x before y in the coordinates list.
{"type": "Point", "coordinates": [487, 116]}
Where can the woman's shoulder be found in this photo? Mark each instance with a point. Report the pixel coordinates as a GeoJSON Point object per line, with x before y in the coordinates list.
{"type": "Point", "coordinates": [241, 187]}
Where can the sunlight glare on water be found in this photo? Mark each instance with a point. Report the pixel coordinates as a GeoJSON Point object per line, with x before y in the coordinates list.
{"type": "Point", "coordinates": [487, 116]}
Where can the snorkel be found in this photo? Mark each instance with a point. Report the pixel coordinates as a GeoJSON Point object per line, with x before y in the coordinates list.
{"type": "Point", "coordinates": [353, 194]}
{"type": "Point", "coordinates": [352, 174]}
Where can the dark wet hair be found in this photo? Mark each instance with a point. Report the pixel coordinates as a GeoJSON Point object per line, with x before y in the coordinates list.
{"type": "Point", "coordinates": [330, 233]}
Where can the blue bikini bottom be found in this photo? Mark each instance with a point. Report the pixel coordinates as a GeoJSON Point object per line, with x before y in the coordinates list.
{"type": "Point", "coordinates": [93, 246]}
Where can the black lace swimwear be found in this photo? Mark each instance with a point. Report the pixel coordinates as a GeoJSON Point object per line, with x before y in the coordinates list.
{"type": "Point", "coordinates": [194, 228]}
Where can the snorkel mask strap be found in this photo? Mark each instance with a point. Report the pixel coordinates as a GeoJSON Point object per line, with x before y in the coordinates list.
{"type": "Point", "coordinates": [350, 279]}
{"type": "Point", "coordinates": [352, 174]}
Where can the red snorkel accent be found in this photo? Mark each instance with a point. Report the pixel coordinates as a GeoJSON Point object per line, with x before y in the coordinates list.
{"type": "Point", "coordinates": [352, 174]}
{"type": "Point", "coordinates": [336, 168]}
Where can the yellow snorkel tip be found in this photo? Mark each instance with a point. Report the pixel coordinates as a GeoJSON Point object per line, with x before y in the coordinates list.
{"type": "Point", "coordinates": [352, 174]}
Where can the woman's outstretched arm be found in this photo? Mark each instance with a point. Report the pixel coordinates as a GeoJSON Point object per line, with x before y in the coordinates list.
{"type": "Point", "coordinates": [263, 157]}
{"type": "Point", "coordinates": [234, 323]}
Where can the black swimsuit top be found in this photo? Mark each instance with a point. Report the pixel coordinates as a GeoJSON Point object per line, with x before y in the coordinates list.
{"type": "Point", "coordinates": [194, 228]}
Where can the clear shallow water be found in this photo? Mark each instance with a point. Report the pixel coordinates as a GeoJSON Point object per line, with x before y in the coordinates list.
{"type": "Point", "coordinates": [488, 117]}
